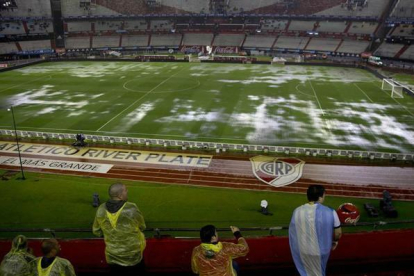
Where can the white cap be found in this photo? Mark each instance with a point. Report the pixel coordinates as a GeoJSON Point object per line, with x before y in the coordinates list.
{"type": "Point", "coordinates": [263, 203]}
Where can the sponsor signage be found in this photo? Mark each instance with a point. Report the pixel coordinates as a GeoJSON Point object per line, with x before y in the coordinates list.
{"type": "Point", "coordinates": [113, 155]}
{"type": "Point", "coordinates": [55, 164]}
{"type": "Point", "coordinates": [226, 50]}
{"type": "Point", "coordinates": [192, 49]}
{"type": "Point", "coordinates": [277, 171]}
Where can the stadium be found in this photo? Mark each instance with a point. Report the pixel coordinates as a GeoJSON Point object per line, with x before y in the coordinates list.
{"type": "Point", "coordinates": [203, 109]}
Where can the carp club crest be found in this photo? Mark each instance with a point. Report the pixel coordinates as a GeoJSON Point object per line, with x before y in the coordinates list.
{"type": "Point", "coordinates": [277, 171]}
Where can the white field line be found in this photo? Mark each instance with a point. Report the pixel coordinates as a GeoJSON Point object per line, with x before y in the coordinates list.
{"type": "Point", "coordinates": [364, 93]}
{"type": "Point", "coordinates": [316, 96]}
{"type": "Point", "coordinates": [50, 76]}
{"type": "Point", "coordinates": [406, 109]}
{"type": "Point", "coordinates": [116, 116]}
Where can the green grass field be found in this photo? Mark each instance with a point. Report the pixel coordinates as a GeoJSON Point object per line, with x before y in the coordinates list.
{"type": "Point", "coordinates": [320, 107]}
{"type": "Point", "coordinates": [57, 201]}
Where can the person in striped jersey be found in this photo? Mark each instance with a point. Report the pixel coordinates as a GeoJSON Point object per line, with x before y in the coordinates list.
{"type": "Point", "coordinates": [313, 232]}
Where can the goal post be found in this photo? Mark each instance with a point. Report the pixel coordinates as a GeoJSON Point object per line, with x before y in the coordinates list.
{"type": "Point", "coordinates": [395, 88]}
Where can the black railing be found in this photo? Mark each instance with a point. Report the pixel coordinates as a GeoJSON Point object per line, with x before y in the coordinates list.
{"type": "Point", "coordinates": [160, 231]}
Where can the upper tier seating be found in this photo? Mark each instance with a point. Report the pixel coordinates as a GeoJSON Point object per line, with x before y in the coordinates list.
{"type": "Point", "coordinates": [404, 9]}
{"type": "Point", "coordinates": [287, 42]}
{"type": "Point", "coordinates": [228, 40]}
{"type": "Point", "coordinates": [375, 8]}
{"type": "Point", "coordinates": [274, 25]}
{"type": "Point", "coordinates": [73, 8]}
{"type": "Point", "coordinates": [77, 42]}
{"type": "Point", "coordinates": [191, 6]}
{"type": "Point", "coordinates": [35, 45]}
{"type": "Point", "coordinates": [29, 8]}
{"type": "Point", "coordinates": [259, 41]}
{"type": "Point", "coordinates": [197, 39]}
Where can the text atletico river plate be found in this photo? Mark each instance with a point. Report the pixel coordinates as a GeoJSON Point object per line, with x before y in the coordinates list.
{"type": "Point", "coordinates": [149, 157]}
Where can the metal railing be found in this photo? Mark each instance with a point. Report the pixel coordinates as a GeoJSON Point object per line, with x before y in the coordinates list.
{"type": "Point", "coordinates": [158, 232]}
{"type": "Point", "coordinates": [218, 147]}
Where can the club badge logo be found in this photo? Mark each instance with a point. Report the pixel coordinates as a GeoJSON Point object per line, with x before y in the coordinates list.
{"type": "Point", "coordinates": [277, 171]}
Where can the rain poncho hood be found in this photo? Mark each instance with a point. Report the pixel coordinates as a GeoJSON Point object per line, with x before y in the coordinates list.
{"type": "Point", "coordinates": [216, 259]}
{"type": "Point", "coordinates": [59, 267]}
{"type": "Point", "coordinates": [17, 261]}
{"type": "Point", "coordinates": [122, 232]}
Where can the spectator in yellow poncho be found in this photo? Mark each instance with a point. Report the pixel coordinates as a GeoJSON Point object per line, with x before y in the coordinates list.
{"type": "Point", "coordinates": [121, 224]}
{"type": "Point", "coordinates": [17, 261]}
{"type": "Point", "coordinates": [50, 264]}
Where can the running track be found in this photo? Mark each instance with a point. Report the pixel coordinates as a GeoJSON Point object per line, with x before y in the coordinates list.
{"type": "Point", "coordinates": [235, 172]}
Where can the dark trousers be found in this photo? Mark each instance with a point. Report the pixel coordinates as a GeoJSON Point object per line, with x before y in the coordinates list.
{"type": "Point", "coordinates": [137, 269]}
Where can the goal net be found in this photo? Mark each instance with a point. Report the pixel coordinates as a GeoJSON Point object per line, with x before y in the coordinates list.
{"type": "Point", "coordinates": [395, 88]}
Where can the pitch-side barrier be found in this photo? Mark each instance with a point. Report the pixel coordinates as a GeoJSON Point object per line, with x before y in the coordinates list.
{"type": "Point", "coordinates": [218, 147]}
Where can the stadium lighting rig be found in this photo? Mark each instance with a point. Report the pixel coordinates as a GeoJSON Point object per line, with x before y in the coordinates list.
{"type": "Point", "coordinates": [17, 141]}
{"type": "Point", "coordinates": [7, 4]}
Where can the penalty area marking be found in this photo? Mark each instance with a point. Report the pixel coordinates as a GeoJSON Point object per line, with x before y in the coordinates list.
{"type": "Point", "coordinates": [364, 93]}
{"type": "Point", "coordinates": [406, 109]}
{"type": "Point", "coordinates": [316, 96]}
{"type": "Point", "coordinates": [48, 77]}
{"type": "Point", "coordinates": [116, 116]}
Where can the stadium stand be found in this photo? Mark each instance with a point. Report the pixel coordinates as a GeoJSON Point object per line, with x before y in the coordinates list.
{"type": "Point", "coordinates": [191, 6]}
{"type": "Point", "coordinates": [388, 49]}
{"type": "Point", "coordinates": [332, 26]}
{"type": "Point", "coordinates": [273, 24]}
{"type": "Point", "coordinates": [403, 30]}
{"type": "Point", "coordinates": [135, 25]}
{"type": "Point", "coordinates": [228, 40]}
{"type": "Point", "coordinates": [296, 25]}
{"type": "Point", "coordinates": [403, 9]}
{"type": "Point", "coordinates": [323, 44]}
{"type": "Point", "coordinates": [166, 40]}
{"type": "Point", "coordinates": [39, 27]}
{"type": "Point", "coordinates": [134, 40]}
{"type": "Point", "coordinates": [27, 8]}
{"type": "Point", "coordinates": [353, 46]}
{"type": "Point", "coordinates": [79, 26]}
{"type": "Point", "coordinates": [105, 41]}
{"type": "Point", "coordinates": [363, 27]}
{"type": "Point", "coordinates": [372, 9]}
{"type": "Point", "coordinates": [11, 27]}
{"type": "Point", "coordinates": [408, 54]}
{"type": "Point", "coordinates": [259, 41]}
{"type": "Point", "coordinates": [35, 45]}
{"type": "Point", "coordinates": [78, 42]}
{"type": "Point", "coordinates": [8, 47]}
{"type": "Point", "coordinates": [197, 39]}
{"type": "Point", "coordinates": [71, 8]}
{"type": "Point", "coordinates": [107, 25]}
{"type": "Point", "coordinates": [236, 6]}
{"type": "Point", "coordinates": [286, 42]}
{"type": "Point", "coordinates": [161, 25]}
